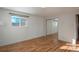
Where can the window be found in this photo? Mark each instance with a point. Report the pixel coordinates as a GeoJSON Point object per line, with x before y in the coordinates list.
{"type": "Point", "coordinates": [18, 21]}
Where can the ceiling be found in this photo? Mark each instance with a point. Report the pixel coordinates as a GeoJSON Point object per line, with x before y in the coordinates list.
{"type": "Point", "coordinates": [44, 11]}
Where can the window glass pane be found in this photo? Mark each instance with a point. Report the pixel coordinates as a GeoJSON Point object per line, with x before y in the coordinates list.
{"type": "Point", "coordinates": [18, 21]}
{"type": "Point", "coordinates": [22, 22]}
{"type": "Point", "coordinates": [15, 20]}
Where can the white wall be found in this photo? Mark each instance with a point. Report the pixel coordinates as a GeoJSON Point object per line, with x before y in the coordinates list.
{"type": "Point", "coordinates": [10, 34]}
{"type": "Point", "coordinates": [67, 27]}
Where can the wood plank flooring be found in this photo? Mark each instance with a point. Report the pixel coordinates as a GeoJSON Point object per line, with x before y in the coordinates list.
{"type": "Point", "coordinates": [42, 44]}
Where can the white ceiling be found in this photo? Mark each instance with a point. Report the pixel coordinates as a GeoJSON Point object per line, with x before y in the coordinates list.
{"type": "Point", "coordinates": [47, 11]}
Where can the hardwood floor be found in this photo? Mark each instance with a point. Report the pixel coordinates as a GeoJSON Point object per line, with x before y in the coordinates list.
{"type": "Point", "coordinates": [42, 44]}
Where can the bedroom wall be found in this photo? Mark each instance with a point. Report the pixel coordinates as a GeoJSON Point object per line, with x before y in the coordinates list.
{"type": "Point", "coordinates": [67, 27]}
{"type": "Point", "coordinates": [10, 34]}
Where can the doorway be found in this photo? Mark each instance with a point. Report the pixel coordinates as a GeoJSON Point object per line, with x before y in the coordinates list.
{"type": "Point", "coordinates": [52, 28]}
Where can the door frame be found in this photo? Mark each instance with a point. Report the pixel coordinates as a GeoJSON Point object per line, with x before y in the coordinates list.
{"type": "Point", "coordinates": [77, 27]}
